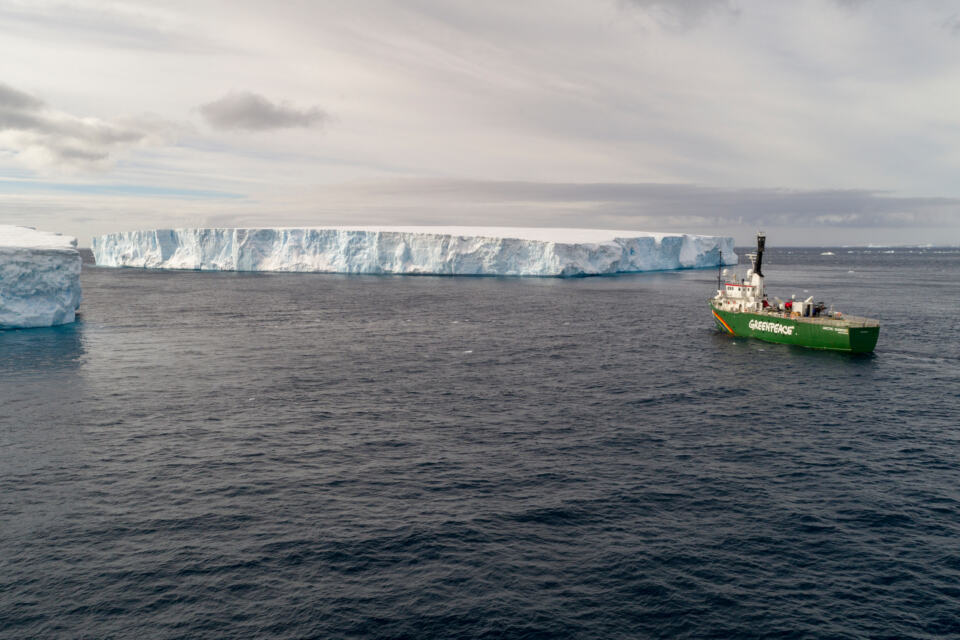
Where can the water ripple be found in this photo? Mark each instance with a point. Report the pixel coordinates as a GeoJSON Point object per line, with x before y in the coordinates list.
{"type": "Point", "coordinates": [246, 455]}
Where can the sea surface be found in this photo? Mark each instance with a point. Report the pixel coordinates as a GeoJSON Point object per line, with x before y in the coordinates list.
{"type": "Point", "coordinates": [238, 455]}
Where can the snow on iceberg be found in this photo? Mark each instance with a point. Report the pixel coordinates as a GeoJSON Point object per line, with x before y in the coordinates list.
{"type": "Point", "coordinates": [502, 251]}
{"type": "Point", "coordinates": [39, 278]}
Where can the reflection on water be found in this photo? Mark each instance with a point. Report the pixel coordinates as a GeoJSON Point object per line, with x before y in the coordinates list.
{"type": "Point", "coordinates": [41, 350]}
{"type": "Point", "coordinates": [41, 388]}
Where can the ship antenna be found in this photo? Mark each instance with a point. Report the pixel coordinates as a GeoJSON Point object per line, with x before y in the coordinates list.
{"type": "Point", "coordinates": [761, 241]}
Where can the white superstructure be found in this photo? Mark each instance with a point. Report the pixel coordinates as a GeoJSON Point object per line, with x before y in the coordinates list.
{"type": "Point", "coordinates": [749, 294]}
{"type": "Point", "coordinates": [745, 294]}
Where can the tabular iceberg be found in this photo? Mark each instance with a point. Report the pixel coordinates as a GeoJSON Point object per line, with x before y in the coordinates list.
{"type": "Point", "coordinates": [39, 278]}
{"type": "Point", "coordinates": [414, 250]}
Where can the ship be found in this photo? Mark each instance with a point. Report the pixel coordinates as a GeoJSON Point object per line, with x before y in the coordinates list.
{"type": "Point", "coordinates": [741, 308]}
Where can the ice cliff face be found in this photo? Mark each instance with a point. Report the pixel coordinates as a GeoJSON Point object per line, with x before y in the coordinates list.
{"type": "Point", "coordinates": [39, 278]}
{"type": "Point", "coordinates": [413, 250]}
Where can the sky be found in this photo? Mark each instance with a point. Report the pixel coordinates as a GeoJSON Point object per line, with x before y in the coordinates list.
{"type": "Point", "coordinates": [820, 122]}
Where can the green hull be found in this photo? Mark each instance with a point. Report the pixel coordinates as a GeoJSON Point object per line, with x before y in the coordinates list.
{"type": "Point", "coordinates": [851, 335]}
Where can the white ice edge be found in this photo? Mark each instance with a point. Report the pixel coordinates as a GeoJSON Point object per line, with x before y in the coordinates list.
{"type": "Point", "coordinates": [39, 278]}
{"type": "Point", "coordinates": [413, 250]}
{"type": "Point", "coordinates": [29, 238]}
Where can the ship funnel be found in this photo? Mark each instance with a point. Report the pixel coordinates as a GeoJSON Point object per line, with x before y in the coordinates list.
{"type": "Point", "coordinates": [761, 241]}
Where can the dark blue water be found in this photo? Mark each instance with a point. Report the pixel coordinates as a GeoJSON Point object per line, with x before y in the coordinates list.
{"type": "Point", "coordinates": [288, 456]}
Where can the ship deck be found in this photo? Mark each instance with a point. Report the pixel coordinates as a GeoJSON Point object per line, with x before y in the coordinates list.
{"type": "Point", "coordinates": [845, 321]}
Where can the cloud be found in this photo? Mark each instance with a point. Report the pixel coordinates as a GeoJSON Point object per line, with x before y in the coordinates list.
{"type": "Point", "coordinates": [46, 139]}
{"type": "Point", "coordinates": [952, 25]}
{"type": "Point", "coordinates": [817, 96]}
{"type": "Point", "coordinates": [794, 217]}
{"type": "Point", "coordinates": [649, 205]}
{"type": "Point", "coordinates": [248, 111]}
{"type": "Point", "coordinates": [851, 4]}
{"type": "Point", "coordinates": [680, 14]}
{"type": "Point", "coordinates": [147, 27]}
{"type": "Point", "coordinates": [10, 98]}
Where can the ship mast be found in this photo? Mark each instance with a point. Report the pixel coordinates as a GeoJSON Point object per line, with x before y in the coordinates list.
{"type": "Point", "coordinates": [761, 241]}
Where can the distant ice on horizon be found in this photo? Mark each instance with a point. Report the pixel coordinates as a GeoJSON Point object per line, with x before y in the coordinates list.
{"type": "Point", "coordinates": [505, 251]}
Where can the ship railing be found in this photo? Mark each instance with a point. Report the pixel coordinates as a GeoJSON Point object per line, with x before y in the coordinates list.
{"type": "Point", "coordinates": [844, 320]}
{"type": "Point", "coordinates": [850, 321]}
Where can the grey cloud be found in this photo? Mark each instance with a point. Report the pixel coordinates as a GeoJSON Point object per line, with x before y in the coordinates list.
{"type": "Point", "coordinates": [46, 138]}
{"type": "Point", "coordinates": [248, 111]}
{"type": "Point", "coordinates": [792, 217]}
{"type": "Point", "coordinates": [19, 119]}
{"type": "Point", "coordinates": [631, 204]}
{"type": "Point", "coordinates": [851, 4]}
{"type": "Point", "coordinates": [681, 13]}
{"type": "Point", "coordinates": [117, 26]}
{"type": "Point", "coordinates": [73, 153]}
{"type": "Point", "coordinates": [11, 98]}
{"type": "Point", "coordinates": [952, 25]}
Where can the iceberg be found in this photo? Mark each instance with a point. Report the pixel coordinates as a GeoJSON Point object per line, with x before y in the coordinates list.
{"type": "Point", "coordinates": [39, 278]}
{"type": "Point", "coordinates": [480, 251]}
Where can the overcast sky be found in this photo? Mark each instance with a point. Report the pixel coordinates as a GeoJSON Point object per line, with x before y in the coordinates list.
{"type": "Point", "coordinates": [821, 122]}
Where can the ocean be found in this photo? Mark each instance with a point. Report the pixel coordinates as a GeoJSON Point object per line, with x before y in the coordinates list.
{"type": "Point", "coordinates": [252, 455]}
